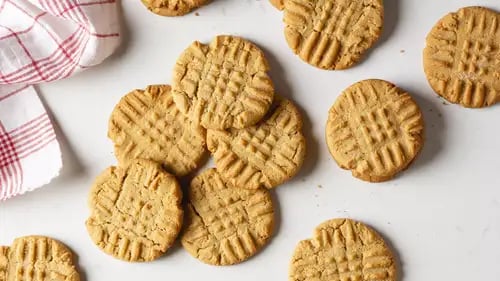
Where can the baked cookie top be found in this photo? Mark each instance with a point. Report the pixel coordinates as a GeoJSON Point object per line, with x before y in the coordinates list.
{"type": "Point", "coordinates": [172, 8]}
{"type": "Point", "coordinates": [37, 258]}
{"type": "Point", "coordinates": [146, 124]}
{"type": "Point", "coordinates": [226, 225]}
{"type": "Point", "coordinates": [136, 211]}
{"type": "Point", "coordinates": [462, 57]}
{"type": "Point", "coordinates": [223, 85]}
{"type": "Point", "coordinates": [343, 249]}
{"type": "Point", "coordinates": [264, 155]}
{"type": "Point", "coordinates": [332, 34]}
{"type": "Point", "coordinates": [375, 130]}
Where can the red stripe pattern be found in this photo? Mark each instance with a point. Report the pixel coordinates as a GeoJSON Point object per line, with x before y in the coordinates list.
{"type": "Point", "coordinates": [41, 41]}
{"type": "Point", "coordinates": [10, 166]}
{"type": "Point", "coordinates": [93, 23]}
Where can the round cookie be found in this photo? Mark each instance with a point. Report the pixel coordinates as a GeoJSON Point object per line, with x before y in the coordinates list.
{"type": "Point", "coordinates": [332, 34]}
{"type": "Point", "coordinates": [146, 124]}
{"type": "Point", "coordinates": [37, 258]}
{"type": "Point", "coordinates": [265, 155]}
{"type": "Point", "coordinates": [343, 249]}
{"type": "Point", "coordinates": [226, 225]}
{"type": "Point", "coordinates": [173, 8]}
{"type": "Point", "coordinates": [374, 129]}
{"type": "Point", "coordinates": [462, 57]}
{"type": "Point", "coordinates": [278, 4]}
{"type": "Point", "coordinates": [223, 85]}
{"type": "Point", "coordinates": [136, 212]}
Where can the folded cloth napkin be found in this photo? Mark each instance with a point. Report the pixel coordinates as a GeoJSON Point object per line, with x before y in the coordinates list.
{"type": "Point", "coordinates": [41, 41]}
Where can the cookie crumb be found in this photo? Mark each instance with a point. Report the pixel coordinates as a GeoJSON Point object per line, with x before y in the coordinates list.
{"type": "Point", "coordinates": [402, 51]}
{"type": "Point", "coordinates": [445, 103]}
{"type": "Point", "coordinates": [320, 186]}
{"type": "Point", "coordinates": [197, 14]}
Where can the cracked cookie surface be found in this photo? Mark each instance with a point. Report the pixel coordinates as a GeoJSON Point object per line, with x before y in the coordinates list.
{"type": "Point", "coordinates": [332, 34]}
{"type": "Point", "coordinates": [264, 155]}
{"type": "Point", "coordinates": [462, 57]}
{"type": "Point", "coordinates": [223, 85]}
{"type": "Point", "coordinates": [37, 258]}
{"type": "Point", "coordinates": [343, 249]}
{"type": "Point", "coordinates": [136, 212]}
{"type": "Point", "coordinates": [172, 8]}
{"type": "Point", "coordinates": [146, 124]}
{"type": "Point", "coordinates": [375, 130]}
{"type": "Point", "coordinates": [226, 225]}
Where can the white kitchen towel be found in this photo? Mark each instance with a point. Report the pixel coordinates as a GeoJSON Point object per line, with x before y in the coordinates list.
{"type": "Point", "coordinates": [41, 41]}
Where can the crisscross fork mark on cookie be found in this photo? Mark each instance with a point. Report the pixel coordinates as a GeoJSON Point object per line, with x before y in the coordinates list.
{"type": "Point", "coordinates": [148, 125]}
{"type": "Point", "coordinates": [462, 57]}
{"type": "Point", "coordinates": [343, 250]}
{"type": "Point", "coordinates": [37, 258]}
{"type": "Point", "coordinates": [223, 85]}
{"type": "Point", "coordinates": [135, 213]}
{"type": "Point", "coordinates": [226, 225]}
{"type": "Point", "coordinates": [375, 130]}
{"type": "Point", "coordinates": [332, 34]}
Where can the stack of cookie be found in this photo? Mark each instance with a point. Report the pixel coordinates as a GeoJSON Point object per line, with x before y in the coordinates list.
{"type": "Point", "coordinates": [221, 98]}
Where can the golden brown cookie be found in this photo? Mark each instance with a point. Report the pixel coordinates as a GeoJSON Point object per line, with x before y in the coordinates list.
{"type": "Point", "coordinates": [136, 211]}
{"type": "Point", "coordinates": [173, 8]}
{"type": "Point", "coordinates": [374, 129]}
{"type": "Point", "coordinates": [226, 225]}
{"type": "Point", "coordinates": [37, 258]}
{"type": "Point", "coordinates": [146, 124]}
{"type": "Point", "coordinates": [332, 34]}
{"type": "Point", "coordinates": [462, 57]}
{"type": "Point", "coordinates": [343, 249]}
{"type": "Point", "coordinates": [223, 85]}
{"type": "Point", "coordinates": [265, 155]}
{"type": "Point", "coordinates": [278, 4]}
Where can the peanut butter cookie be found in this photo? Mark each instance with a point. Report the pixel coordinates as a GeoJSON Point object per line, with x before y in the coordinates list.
{"type": "Point", "coordinates": [37, 258]}
{"type": "Point", "coordinates": [173, 8]}
{"type": "Point", "coordinates": [332, 34]}
{"type": "Point", "coordinates": [136, 211]}
{"type": "Point", "coordinates": [343, 249]}
{"type": "Point", "coordinates": [265, 155]}
{"type": "Point", "coordinates": [226, 225]}
{"type": "Point", "coordinates": [462, 57]}
{"type": "Point", "coordinates": [223, 85]}
{"type": "Point", "coordinates": [146, 124]}
{"type": "Point", "coordinates": [375, 130]}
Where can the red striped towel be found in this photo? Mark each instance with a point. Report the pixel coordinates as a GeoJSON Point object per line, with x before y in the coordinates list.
{"type": "Point", "coordinates": [40, 41]}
